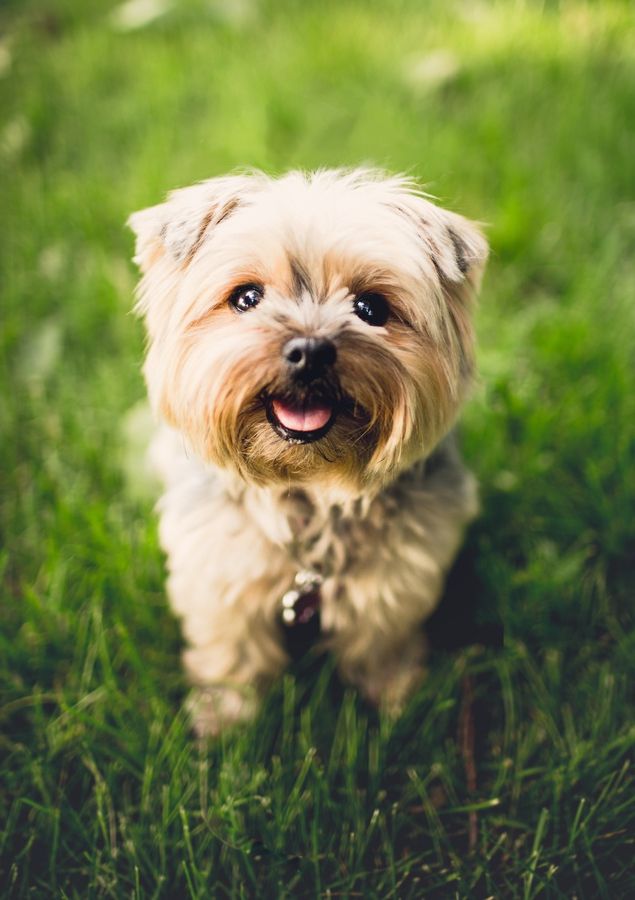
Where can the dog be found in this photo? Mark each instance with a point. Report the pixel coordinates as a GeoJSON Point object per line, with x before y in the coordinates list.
{"type": "Point", "coordinates": [309, 349]}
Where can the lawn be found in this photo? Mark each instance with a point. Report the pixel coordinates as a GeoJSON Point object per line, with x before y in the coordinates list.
{"type": "Point", "coordinates": [510, 775]}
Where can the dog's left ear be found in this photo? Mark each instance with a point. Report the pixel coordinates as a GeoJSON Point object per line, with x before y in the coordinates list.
{"type": "Point", "coordinates": [455, 246]}
{"type": "Point", "coordinates": [178, 227]}
{"type": "Point", "coordinates": [459, 250]}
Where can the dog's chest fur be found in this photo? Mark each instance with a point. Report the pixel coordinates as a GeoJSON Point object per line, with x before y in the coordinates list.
{"type": "Point", "coordinates": [381, 557]}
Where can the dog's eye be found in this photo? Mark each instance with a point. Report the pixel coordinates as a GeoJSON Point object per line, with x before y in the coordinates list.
{"type": "Point", "coordinates": [246, 297]}
{"type": "Point", "coordinates": [372, 308]}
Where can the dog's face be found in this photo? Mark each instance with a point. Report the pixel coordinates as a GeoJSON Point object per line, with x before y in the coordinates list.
{"type": "Point", "coordinates": [311, 327]}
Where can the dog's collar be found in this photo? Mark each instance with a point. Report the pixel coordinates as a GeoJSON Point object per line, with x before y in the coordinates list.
{"type": "Point", "coordinates": [301, 603]}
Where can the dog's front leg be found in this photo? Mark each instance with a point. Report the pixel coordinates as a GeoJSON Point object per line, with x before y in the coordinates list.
{"type": "Point", "coordinates": [386, 669]}
{"type": "Point", "coordinates": [232, 656]}
{"type": "Point", "coordinates": [225, 583]}
{"type": "Point", "coordinates": [377, 634]}
{"type": "Point", "coordinates": [378, 609]}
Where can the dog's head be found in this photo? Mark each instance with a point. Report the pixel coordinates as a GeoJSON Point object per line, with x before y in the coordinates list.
{"type": "Point", "coordinates": [308, 327]}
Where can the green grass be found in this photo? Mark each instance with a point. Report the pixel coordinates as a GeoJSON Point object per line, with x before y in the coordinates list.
{"type": "Point", "coordinates": [529, 127]}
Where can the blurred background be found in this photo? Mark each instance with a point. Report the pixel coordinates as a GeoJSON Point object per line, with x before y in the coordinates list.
{"type": "Point", "coordinates": [517, 114]}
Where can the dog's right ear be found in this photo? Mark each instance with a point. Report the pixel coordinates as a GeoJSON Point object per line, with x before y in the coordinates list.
{"type": "Point", "coordinates": [180, 225]}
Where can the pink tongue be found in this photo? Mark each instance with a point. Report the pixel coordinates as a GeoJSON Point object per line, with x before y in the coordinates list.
{"type": "Point", "coordinates": [302, 418]}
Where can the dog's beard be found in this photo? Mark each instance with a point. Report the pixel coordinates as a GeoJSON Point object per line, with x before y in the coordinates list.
{"type": "Point", "coordinates": [268, 451]}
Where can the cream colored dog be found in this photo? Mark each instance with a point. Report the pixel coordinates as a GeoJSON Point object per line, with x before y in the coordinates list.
{"type": "Point", "coordinates": [310, 346]}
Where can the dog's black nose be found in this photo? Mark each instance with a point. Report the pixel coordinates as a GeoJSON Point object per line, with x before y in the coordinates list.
{"type": "Point", "coordinates": [308, 357]}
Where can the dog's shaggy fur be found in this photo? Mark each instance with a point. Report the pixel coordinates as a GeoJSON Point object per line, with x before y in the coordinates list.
{"type": "Point", "coordinates": [275, 460]}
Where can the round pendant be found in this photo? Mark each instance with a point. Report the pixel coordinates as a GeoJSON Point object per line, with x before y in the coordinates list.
{"type": "Point", "coordinates": [302, 602]}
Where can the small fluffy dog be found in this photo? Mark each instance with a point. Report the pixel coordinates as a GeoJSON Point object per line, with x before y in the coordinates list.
{"type": "Point", "coordinates": [309, 348]}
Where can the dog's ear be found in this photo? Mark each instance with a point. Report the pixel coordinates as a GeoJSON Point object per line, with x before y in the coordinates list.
{"type": "Point", "coordinates": [453, 257]}
{"type": "Point", "coordinates": [458, 249]}
{"type": "Point", "coordinates": [179, 226]}
{"type": "Point", "coordinates": [454, 246]}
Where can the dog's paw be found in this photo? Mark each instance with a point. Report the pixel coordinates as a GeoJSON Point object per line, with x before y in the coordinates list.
{"type": "Point", "coordinates": [215, 708]}
{"type": "Point", "coordinates": [391, 689]}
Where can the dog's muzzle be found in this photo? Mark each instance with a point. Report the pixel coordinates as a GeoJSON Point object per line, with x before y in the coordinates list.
{"type": "Point", "coordinates": [306, 412]}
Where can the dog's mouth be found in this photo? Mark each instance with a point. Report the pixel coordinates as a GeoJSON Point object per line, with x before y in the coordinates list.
{"type": "Point", "coordinates": [301, 421]}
